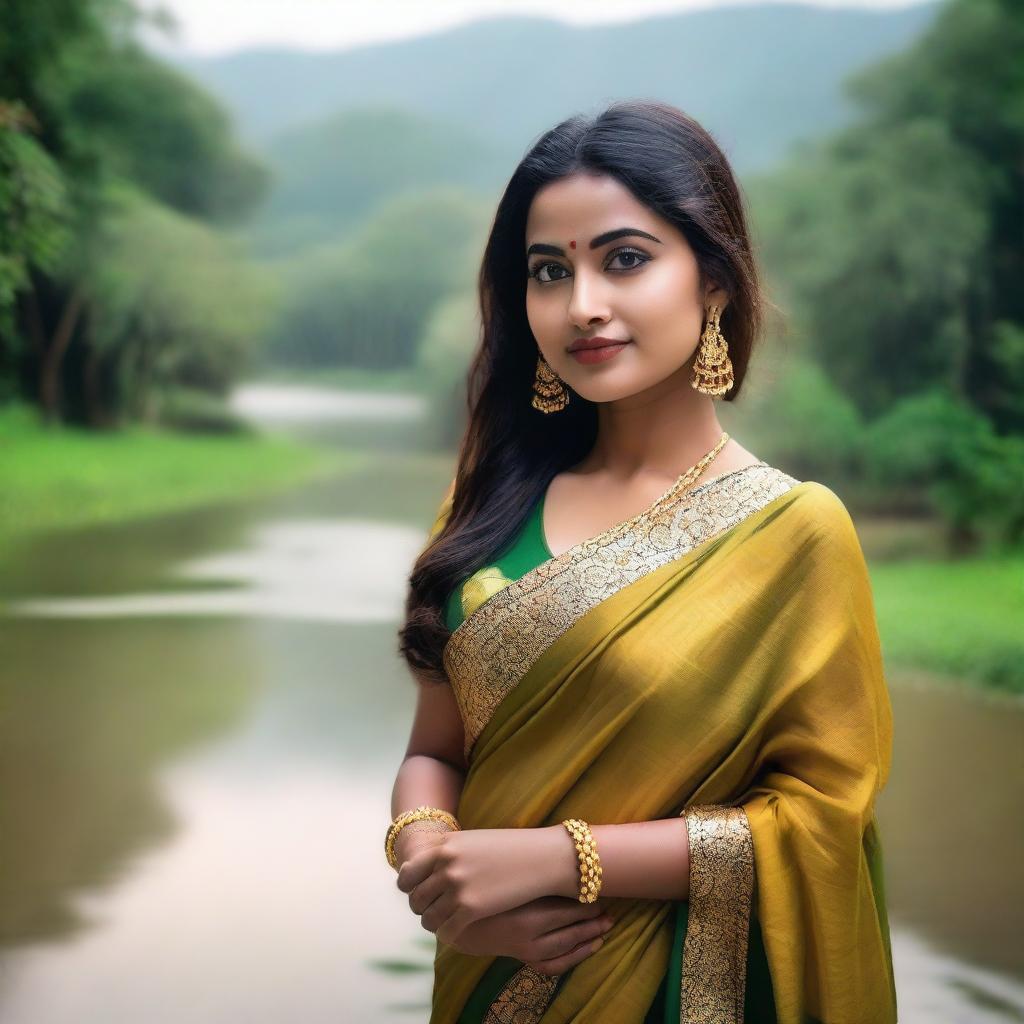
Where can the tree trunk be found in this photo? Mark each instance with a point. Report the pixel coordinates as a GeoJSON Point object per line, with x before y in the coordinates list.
{"type": "Point", "coordinates": [53, 357]}
{"type": "Point", "coordinates": [92, 391]}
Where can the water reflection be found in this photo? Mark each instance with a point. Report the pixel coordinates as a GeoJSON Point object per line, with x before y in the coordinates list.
{"type": "Point", "coordinates": [313, 569]}
{"type": "Point", "coordinates": [274, 404]}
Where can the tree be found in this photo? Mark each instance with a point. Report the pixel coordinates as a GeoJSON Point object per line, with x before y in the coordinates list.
{"type": "Point", "coordinates": [91, 109]}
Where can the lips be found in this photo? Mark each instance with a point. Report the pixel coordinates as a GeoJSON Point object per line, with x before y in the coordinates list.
{"type": "Point", "coordinates": [595, 342]}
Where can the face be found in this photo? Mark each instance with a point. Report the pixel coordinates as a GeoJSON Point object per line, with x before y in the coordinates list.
{"type": "Point", "coordinates": [640, 287]}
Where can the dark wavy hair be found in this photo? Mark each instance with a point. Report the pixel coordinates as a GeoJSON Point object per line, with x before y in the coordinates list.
{"type": "Point", "coordinates": [510, 452]}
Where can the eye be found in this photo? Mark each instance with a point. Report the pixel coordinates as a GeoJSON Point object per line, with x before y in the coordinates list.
{"type": "Point", "coordinates": [634, 257]}
{"type": "Point", "coordinates": [535, 270]}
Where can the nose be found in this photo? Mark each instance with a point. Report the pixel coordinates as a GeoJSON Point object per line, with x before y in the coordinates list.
{"type": "Point", "coordinates": [587, 304]}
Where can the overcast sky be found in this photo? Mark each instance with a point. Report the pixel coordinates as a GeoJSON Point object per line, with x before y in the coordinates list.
{"type": "Point", "coordinates": [221, 26]}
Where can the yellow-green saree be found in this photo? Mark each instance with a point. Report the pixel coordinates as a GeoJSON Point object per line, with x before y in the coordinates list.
{"type": "Point", "coordinates": [717, 659]}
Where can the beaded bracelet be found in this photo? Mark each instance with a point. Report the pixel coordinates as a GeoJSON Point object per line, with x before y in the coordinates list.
{"type": "Point", "coordinates": [590, 862]}
{"type": "Point", "coordinates": [421, 813]}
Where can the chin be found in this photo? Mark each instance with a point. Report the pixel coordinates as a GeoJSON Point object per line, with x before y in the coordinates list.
{"type": "Point", "coordinates": [608, 390]}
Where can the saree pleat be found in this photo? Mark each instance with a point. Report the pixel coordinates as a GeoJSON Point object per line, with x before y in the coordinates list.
{"type": "Point", "coordinates": [737, 686]}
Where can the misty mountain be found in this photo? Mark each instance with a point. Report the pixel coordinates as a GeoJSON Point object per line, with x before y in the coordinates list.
{"type": "Point", "coordinates": [759, 76]}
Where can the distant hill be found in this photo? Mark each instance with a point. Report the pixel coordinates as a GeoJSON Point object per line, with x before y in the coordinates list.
{"type": "Point", "coordinates": [331, 174]}
{"type": "Point", "coordinates": [759, 76]}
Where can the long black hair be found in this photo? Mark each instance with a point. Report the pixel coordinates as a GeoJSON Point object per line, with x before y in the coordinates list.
{"type": "Point", "coordinates": [511, 451]}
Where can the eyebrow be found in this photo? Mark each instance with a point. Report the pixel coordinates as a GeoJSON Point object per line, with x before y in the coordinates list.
{"type": "Point", "coordinates": [608, 236]}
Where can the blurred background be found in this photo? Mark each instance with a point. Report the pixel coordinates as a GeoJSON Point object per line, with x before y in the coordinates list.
{"type": "Point", "coordinates": [238, 248]}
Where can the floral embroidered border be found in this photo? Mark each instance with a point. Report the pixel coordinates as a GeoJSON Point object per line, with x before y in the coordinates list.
{"type": "Point", "coordinates": [713, 977]}
{"type": "Point", "coordinates": [495, 646]}
{"type": "Point", "coordinates": [524, 998]}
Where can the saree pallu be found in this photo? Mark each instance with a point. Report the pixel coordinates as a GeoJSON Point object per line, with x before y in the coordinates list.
{"type": "Point", "coordinates": [715, 659]}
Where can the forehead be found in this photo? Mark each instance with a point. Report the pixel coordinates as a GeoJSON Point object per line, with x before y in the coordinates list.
{"type": "Point", "coordinates": [585, 204]}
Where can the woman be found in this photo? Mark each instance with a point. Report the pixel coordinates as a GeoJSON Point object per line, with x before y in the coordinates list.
{"type": "Point", "coordinates": [652, 720]}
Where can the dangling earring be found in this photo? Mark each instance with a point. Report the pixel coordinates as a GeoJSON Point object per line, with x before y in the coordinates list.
{"type": "Point", "coordinates": [712, 369]}
{"type": "Point", "coordinates": [550, 395]}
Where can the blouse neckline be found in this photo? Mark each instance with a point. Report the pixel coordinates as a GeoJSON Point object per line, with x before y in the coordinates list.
{"type": "Point", "coordinates": [625, 522]}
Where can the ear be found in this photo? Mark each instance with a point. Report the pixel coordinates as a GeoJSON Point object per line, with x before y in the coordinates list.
{"type": "Point", "coordinates": [715, 296]}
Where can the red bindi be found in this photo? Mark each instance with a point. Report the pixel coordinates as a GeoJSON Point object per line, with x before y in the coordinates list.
{"type": "Point", "coordinates": [572, 244]}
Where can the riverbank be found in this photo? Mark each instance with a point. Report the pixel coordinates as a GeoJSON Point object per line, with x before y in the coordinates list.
{"type": "Point", "coordinates": [959, 618]}
{"type": "Point", "coordinates": [55, 479]}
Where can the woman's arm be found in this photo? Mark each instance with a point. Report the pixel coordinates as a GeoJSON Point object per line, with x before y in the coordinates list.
{"type": "Point", "coordinates": [423, 779]}
{"type": "Point", "coordinates": [640, 860]}
{"type": "Point", "coordinates": [432, 772]}
{"type": "Point", "coordinates": [468, 875]}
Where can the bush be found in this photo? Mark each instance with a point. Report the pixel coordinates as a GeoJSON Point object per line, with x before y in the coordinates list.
{"type": "Point", "coordinates": [973, 476]}
{"type": "Point", "coordinates": [200, 412]}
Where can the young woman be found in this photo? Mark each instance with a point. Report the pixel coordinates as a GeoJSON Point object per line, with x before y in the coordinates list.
{"type": "Point", "coordinates": [652, 720]}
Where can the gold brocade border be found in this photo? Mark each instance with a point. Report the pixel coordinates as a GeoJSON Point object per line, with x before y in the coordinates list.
{"type": "Point", "coordinates": [524, 998]}
{"type": "Point", "coordinates": [494, 647]}
{"type": "Point", "coordinates": [714, 972]}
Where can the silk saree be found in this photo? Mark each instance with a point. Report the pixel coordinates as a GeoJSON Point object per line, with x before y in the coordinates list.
{"type": "Point", "coordinates": [715, 659]}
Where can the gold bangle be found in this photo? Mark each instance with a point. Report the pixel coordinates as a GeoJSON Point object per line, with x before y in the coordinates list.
{"type": "Point", "coordinates": [418, 814]}
{"type": "Point", "coordinates": [590, 862]}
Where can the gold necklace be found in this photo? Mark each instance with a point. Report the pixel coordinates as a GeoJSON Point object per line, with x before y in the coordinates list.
{"type": "Point", "coordinates": [695, 470]}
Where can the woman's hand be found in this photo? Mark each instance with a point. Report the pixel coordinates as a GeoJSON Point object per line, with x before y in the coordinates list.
{"type": "Point", "coordinates": [550, 934]}
{"type": "Point", "coordinates": [477, 873]}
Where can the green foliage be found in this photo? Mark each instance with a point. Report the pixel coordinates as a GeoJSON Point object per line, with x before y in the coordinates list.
{"type": "Point", "coordinates": [61, 477]}
{"type": "Point", "coordinates": [803, 422]}
{"type": "Point", "coordinates": [172, 303]}
{"type": "Point", "coordinates": [445, 351]}
{"type": "Point", "coordinates": [150, 125]}
{"type": "Point", "coordinates": [195, 411]}
{"type": "Point", "coordinates": [102, 297]}
{"type": "Point", "coordinates": [899, 243]}
{"type": "Point", "coordinates": [961, 618]}
{"type": "Point", "coordinates": [1004, 385]}
{"type": "Point", "coordinates": [365, 303]}
{"type": "Point", "coordinates": [879, 238]}
{"type": "Point", "coordinates": [939, 443]}
{"type": "Point", "coordinates": [34, 229]}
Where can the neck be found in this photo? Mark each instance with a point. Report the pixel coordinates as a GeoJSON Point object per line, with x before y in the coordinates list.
{"type": "Point", "coordinates": [660, 431]}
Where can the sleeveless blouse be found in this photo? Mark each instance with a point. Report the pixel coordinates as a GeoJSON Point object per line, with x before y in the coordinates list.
{"type": "Point", "coordinates": [524, 552]}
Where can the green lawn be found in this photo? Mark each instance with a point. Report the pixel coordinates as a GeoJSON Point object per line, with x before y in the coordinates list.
{"type": "Point", "coordinates": [962, 618]}
{"type": "Point", "coordinates": [53, 479]}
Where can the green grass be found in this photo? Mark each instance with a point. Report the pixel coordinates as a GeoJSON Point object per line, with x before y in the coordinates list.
{"type": "Point", "coordinates": [60, 478]}
{"type": "Point", "coordinates": [960, 618]}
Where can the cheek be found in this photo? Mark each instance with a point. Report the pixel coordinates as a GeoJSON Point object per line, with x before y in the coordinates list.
{"type": "Point", "coordinates": [546, 317]}
{"type": "Point", "coordinates": [664, 313]}
{"type": "Point", "coordinates": [664, 293]}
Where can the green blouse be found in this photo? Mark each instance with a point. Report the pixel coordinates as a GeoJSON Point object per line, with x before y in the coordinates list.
{"type": "Point", "coordinates": [524, 552]}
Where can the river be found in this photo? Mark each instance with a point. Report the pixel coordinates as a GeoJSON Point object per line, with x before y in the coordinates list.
{"type": "Point", "coordinates": [202, 718]}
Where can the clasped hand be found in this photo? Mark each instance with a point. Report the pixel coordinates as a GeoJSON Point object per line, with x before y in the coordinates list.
{"type": "Point", "coordinates": [464, 876]}
{"type": "Point", "coordinates": [495, 891]}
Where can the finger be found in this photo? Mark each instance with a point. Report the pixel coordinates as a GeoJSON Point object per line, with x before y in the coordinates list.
{"type": "Point", "coordinates": [424, 894]}
{"type": "Point", "coordinates": [558, 915]}
{"type": "Point", "coordinates": [417, 867]}
{"type": "Point", "coordinates": [438, 912]}
{"type": "Point", "coordinates": [564, 940]}
{"type": "Point", "coordinates": [450, 930]}
{"type": "Point", "coordinates": [560, 964]}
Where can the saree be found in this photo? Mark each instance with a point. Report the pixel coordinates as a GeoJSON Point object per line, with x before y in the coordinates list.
{"type": "Point", "coordinates": [715, 659]}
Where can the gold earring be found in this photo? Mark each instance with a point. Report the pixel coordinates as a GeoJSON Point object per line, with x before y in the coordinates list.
{"type": "Point", "coordinates": [550, 395]}
{"type": "Point", "coordinates": [712, 369]}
